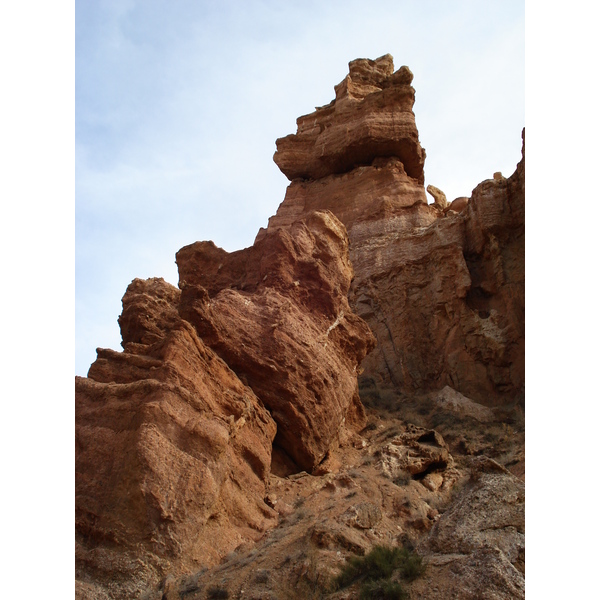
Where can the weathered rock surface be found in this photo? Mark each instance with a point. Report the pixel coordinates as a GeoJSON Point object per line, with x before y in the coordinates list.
{"type": "Point", "coordinates": [172, 452]}
{"type": "Point", "coordinates": [174, 435]}
{"type": "Point", "coordinates": [490, 512]}
{"type": "Point", "coordinates": [476, 549]}
{"type": "Point", "coordinates": [278, 314]}
{"type": "Point", "coordinates": [371, 116]}
{"type": "Point", "coordinates": [441, 286]}
{"type": "Point", "coordinates": [416, 451]}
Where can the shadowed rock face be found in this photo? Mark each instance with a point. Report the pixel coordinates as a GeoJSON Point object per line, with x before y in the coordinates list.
{"type": "Point", "coordinates": [174, 435]}
{"type": "Point", "coordinates": [441, 286]}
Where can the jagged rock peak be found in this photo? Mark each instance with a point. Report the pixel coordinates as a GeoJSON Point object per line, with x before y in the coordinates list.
{"type": "Point", "coordinates": [370, 118]}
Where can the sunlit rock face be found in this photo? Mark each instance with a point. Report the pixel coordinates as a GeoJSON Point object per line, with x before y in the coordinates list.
{"type": "Point", "coordinates": [371, 116]}
{"type": "Point", "coordinates": [442, 285]}
{"type": "Point", "coordinates": [173, 452]}
{"type": "Point", "coordinates": [278, 314]}
{"type": "Point", "coordinates": [256, 354]}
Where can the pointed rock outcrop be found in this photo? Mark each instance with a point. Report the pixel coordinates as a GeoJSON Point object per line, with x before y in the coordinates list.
{"type": "Point", "coordinates": [442, 285]}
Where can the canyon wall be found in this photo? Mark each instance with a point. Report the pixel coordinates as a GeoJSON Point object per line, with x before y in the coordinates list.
{"type": "Point", "coordinates": [442, 285]}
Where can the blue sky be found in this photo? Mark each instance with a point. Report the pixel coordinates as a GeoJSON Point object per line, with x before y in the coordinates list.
{"type": "Point", "coordinates": [179, 104]}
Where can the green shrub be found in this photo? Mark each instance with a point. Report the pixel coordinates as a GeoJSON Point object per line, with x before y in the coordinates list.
{"type": "Point", "coordinates": [403, 479]}
{"type": "Point", "coordinates": [411, 565]}
{"type": "Point", "coordinates": [384, 589]}
{"type": "Point", "coordinates": [217, 592]}
{"type": "Point", "coordinates": [379, 564]}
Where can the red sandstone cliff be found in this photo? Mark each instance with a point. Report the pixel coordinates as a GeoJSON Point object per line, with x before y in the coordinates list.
{"type": "Point", "coordinates": [441, 286]}
{"type": "Point", "coordinates": [236, 395]}
{"type": "Point", "coordinates": [174, 435]}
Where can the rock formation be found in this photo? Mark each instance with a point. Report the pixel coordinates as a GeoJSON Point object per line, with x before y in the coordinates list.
{"type": "Point", "coordinates": [174, 435]}
{"type": "Point", "coordinates": [278, 314]}
{"type": "Point", "coordinates": [370, 117]}
{"type": "Point", "coordinates": [226, 450]}
{"type": "Point", "coordinates": [439, 197]}
{"type": "Point", "coordinates": [441, 286]}
{"type": "Point", "coordinates": [167, 436]}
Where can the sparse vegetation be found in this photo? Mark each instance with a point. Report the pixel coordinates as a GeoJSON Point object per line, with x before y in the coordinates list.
{"type": "Point", "coordinates": [388, 399]}
{"type": "Point", "coordinates": [411, 565]}
{"type": "Point", "coordinates": [402, 479]}
{"type": "Point", "coordinates": [299, 501]}
{"type": "Point", "coordinates": [217, 592]}
{"type": "Point", "coordinates": [384, 589]}
{"type": "Point", "coordinates": [376, 568]}
{"type": "Point", "coordinates": [399, 506]}
{"type": "Point", "coordinates": [262, 576]}
{"type": "Point", "coordinates": [391, 432]}
{"type": "Point", "coordinates": [311, 583]}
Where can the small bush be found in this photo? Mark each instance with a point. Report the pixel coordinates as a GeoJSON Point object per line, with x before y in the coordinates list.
{"type": "Point", "coordinates": [299, 501]}
{"type": "Point", "coordinates": [400, 506]}
{"type": "Point", "coordinates": [384, 589]}
{"type": "Point", "coordinates": [411, 565]}
{"type": "Point", "coordinates": [379, 564]}
{"type": "Point", "coordinates": [216, 592]}
{"type": "Point", "coordinates": [403, 479]}
{"type": "Point", "coordinates": [262, 576]}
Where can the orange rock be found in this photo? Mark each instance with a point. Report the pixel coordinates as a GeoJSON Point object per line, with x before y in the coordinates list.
{"type": "Point", "coordinates": [281, 321]}
{"type": "Point", "coordinates": [441, 287]}
{"type": "Point", "coordinates": [174, 442]}
{"type": "Point", "coordinates": [169, 443]}
{"type": "Point", "coordinates": [371, 116]}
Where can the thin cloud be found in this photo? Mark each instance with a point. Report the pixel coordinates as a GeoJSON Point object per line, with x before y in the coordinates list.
{"type": "Point", "coordinates": [179, 106]}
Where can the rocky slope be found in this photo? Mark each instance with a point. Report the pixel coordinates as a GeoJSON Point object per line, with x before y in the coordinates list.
{"type": "Point", "coordinates": [442, 285]}
{"type": "Point", "coordinates": [397, 483]}
{"type": "Point", "coordinates": [229, 450]}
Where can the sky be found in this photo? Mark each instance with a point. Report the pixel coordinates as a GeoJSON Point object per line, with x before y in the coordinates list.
{"type": "Point", "coordinates": [179, 104]}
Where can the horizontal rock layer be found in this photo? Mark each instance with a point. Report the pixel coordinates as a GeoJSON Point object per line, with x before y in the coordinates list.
{"type": "Point", "coordinates": [370, 117]}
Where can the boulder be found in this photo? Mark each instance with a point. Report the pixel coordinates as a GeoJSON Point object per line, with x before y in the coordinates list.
{"type": "Point", "coordinates": [278, 314]}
